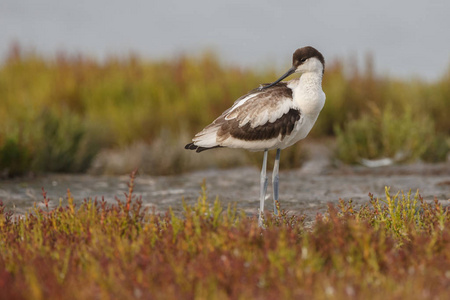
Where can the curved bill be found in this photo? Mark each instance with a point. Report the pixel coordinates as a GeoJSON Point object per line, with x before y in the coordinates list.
{"type": "Point", "coordinates": [289, 72]}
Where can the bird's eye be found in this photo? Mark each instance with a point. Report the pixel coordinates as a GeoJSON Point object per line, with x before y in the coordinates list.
{"type": "Point", "coordinates": [303, 59]}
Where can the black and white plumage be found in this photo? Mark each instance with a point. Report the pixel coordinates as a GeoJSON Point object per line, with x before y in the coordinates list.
{"type": "Point", "coordinates": [257, 121]}
{"type": "Point", "coordinates": [273, 116]}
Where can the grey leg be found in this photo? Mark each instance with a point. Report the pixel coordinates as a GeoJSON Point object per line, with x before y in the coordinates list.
{"type": "Point", "coordinates": [263, 188]}
{"type": "Point", "coordinates": [275, 180]}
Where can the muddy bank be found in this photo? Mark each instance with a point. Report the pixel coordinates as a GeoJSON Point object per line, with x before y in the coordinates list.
{"type": "Point", "coordinates": [306, 190]}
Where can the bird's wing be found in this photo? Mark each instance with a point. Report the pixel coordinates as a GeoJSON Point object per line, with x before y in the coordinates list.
{"type": "Point", "coordinates": [262, 114]}
{"type": "Point", "coordinates": [261, 106]}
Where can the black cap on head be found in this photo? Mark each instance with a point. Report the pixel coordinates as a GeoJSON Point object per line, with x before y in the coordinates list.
{"type": "Point", "coordinates": [302, 54]}
{"type": "Point", "coordinates": [299, 57]}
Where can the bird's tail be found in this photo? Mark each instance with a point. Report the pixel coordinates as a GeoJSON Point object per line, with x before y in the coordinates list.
{"type": "Point", "coordinates": [192, 146]}
{"type": "Point", "coordinates": [205, 139]}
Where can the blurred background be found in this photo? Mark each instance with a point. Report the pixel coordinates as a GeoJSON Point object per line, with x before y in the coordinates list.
{"type": "Point", "coordinates": [107, 86]}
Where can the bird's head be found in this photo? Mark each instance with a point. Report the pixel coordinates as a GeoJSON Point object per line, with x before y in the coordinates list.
{"type": "Point", "coordinates": [304, 60]}
{"type": "Point", "coordinates": [308, 59]}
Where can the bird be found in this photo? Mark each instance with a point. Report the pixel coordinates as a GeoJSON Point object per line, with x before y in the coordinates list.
{"type": "Point", "coordinates": [272, 116]}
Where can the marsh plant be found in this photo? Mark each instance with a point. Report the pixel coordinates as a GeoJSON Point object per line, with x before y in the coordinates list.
{"type": "Point", "coordinates": [57, 113]}
{"type": "Point", "coordinates": [402, 137]}
{"type": "Point", "coordinates": [392, 247]}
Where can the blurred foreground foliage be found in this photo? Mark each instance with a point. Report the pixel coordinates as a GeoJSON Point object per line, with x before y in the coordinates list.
{"type": "Point", "coordinates": [392, 248]}
{"type": "Point", "coordinates": [56, 114]}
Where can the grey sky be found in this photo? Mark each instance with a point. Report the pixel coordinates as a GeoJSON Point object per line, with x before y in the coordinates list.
{"type": "Point", "coordinates": [406, 38]}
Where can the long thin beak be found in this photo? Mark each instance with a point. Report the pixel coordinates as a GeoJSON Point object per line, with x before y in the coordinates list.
{"type": "Point", "coordinates": [289, 72]}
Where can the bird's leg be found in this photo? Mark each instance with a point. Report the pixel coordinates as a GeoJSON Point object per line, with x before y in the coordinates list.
{"type": "Point", "coordinates": [263, 188]}
{"type": "Point", "coordinates": [275, 180]}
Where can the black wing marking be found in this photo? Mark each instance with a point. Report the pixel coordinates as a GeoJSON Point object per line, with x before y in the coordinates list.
{"type": "Point", "coordinates": [192, 146]}
{"type": "Point", "coordinates": [282, 126]}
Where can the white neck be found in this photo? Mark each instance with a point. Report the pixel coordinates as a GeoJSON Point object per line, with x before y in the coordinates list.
{"type": "Point", "coordinates": [307, 92]}
{"type": "Point", "coordinates": [311, 79]}
{"type": "Point", "coordinates": [309, 82]}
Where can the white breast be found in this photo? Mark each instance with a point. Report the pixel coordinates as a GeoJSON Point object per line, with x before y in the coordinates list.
{"type": "Point", "coordinates": [309, 99]}
{"type": "Point", "coordinates": [307, 94]}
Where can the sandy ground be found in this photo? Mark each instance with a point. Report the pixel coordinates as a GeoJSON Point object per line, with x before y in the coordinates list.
{"type": "Point", "coordinates": [306, 190]}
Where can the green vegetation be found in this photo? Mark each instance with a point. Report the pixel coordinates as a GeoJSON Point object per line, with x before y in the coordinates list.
{"type": "Point", "coordinates": [404, 138]}
{"type": "Point", "coordinates": [401, 120]}
{"type": "Point", "coordinates": [396, 248]}
{"type": "Point", "coordinates": [57, 114]}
